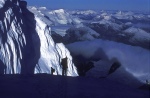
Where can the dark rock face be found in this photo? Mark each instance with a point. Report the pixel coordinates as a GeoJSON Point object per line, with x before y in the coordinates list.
{"type": "Point", "coordinates": [23, 4]}
{"type": "Point", "coordinates": [108, 33]}
{"type": "Point", "coordinates": [25, 24]}
{"type": "Point", "coordinates": [30, 54]}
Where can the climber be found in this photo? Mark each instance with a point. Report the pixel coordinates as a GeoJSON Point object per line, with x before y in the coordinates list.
{"type": "Point", "coordinates": [64, 66]}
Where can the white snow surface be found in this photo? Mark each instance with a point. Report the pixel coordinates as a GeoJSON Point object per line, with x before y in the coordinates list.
{"type": "Point", "coordinates": [115, 26]}
{"type": "Point", "coordinates": [51, 53]}
{"type": "Point", "coordinates": [124, 15]}
{"type": "Point", "coordinates": [9, 54]}
{"type": "Point", "coordinates": [42, 8]}
{"type": "Point", "coordinates": [13, 45]}
{"type": "Point", "coordinates": [138, 34]}
{"type": "Point", "coordinates": [54, 17]}
{"type": "Point", "coordinates": [84, 12]}
{"type": "Point", "coordinates": [135, 60]}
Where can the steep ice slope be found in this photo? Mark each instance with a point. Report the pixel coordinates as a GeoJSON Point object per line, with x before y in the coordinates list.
{"type": "Point", "coordinates": [12, 39]}
{"type": "Point", "coordinates": [40, 13]}
{"type": "Point", "coordinates": [25, 43]}
{"type": "Point", "coordinates": [51, 53]}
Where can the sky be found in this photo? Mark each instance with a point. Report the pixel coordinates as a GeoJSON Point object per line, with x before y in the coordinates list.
{"type": "Point", "coordinates": [138, 5]}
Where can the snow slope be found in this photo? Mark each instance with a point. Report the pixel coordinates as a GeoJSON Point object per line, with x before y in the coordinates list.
{"type": "Point", "coordinates": [138, 34]}
{"type": "Point", "coordinates": [134, 60]}
{"type": "Point", "coordinates": [51, 53]}
{"type": "Point", "coordinates": [12, 39]}
{"type": "Point", "coordinates": [26, 45]}
{"type": "Point", "coordinates": [59, 20]}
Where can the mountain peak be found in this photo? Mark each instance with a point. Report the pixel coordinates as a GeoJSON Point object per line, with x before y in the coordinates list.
{"type": "Point", "coordinates": [42, 8]}
{"type": "Point", "coordinates": [59, 11]}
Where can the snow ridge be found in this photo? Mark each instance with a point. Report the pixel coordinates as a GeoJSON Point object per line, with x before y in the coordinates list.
{"type": "Point", "coordinates": [51, 53]}
{"type": "Point", "coordinates": [26, 45]}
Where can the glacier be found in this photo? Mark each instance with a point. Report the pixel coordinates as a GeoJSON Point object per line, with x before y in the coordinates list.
{"type": "Point", "coordinates": [26, 45]}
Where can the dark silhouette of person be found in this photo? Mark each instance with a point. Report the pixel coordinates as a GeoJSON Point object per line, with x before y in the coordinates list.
{"type": "Point", "coordinates": [52, 70]}
{"type": "Point", "coordinates": [64, 66]}
{"type": "Point", "coordinates": [114, 67]}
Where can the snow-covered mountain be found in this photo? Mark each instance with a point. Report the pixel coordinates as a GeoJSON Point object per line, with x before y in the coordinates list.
{"type": "Point", "coordinates": [54, 17]}
{"type": "Point", "coordinates": [138, 35]}
{"type": "Point", "coordinates": [124, 33]}
{"type": "Point", "coordinates": [121, 27]}
{"type": "Point", "coordinates": [109, 25]}
{"type": "Point", "coordinates": [26, 45]}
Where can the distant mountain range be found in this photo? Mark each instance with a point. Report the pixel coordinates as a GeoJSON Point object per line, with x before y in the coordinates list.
{"type": "Point", "coordinates": [121, 26]}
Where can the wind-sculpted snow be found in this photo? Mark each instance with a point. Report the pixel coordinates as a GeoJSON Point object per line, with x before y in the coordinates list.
{"type": "Point", "coordinates": [12, 39]}
{"type": "Point", "coordinates": [51, 53]}
{"type": "Point", "coordinates": [26, 45]}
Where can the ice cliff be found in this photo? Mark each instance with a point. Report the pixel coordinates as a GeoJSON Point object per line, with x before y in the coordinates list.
{"type": "Point", "coordinates": [26, 45]}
